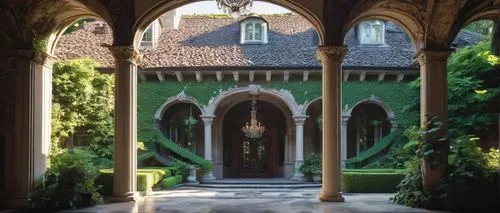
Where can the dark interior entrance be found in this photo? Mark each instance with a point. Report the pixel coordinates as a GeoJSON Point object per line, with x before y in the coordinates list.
{"type": "Point", "coordinates": [254, 158]}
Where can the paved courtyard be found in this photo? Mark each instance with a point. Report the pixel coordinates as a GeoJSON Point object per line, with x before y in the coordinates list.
{"type": "Point", "coordinates": [190, 200]}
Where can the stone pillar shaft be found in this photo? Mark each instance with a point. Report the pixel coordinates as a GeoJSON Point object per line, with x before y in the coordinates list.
{"type": "Point", "coordinates": [299, 146]}
{"type": "Point", "coordinates": [27, 149]}
{"type": "Point", "coordinates": [208, 120]}
{"type": "Point", "coordinates": [434, 101]}
{"type": "Point", "coordinates": [331, 59]}
{"type": "Point", "coordinates": [343, 156]}
{"type": "Point", "coordinates": [125, 147]}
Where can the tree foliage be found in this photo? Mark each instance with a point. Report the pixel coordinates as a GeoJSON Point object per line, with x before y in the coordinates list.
{"type": "Point", "coordinates": [472, 86]}
{"type": "Point", "coordinates": [483, 27]}
{"type": "Point", "coordinates": [82, 97]}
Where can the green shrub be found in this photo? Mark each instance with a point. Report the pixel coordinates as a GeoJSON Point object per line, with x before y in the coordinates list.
{"type": "Point", "coordinates": [146, 179]}
{"type": "Point", "coordinates": [169, 182]}
{"type": "Point", "coordinates": [468, 184]}
{"type": "Point", "coordinates": [311, 165]}
{"type": "Point", "coordinates": [179, 179]}
{"type": "Point", "coordinates": [372, 181]}
{"type": "Point", "coordinates": [71, 176]}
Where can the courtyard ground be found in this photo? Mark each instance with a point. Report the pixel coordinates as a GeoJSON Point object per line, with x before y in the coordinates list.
{"type": "Point", "coordinates": [190, 200]}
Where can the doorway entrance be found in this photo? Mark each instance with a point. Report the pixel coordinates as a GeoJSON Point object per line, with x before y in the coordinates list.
{"type": "Point", "coordinates": [259, 157]}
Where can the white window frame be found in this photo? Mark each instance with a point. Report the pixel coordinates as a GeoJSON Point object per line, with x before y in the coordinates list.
{"type": "Point", "coordinates": [253, 22]}
{"type": "Point", "coordinates": [372, 40]}
{"type": "Point", "coordinates": [152, 42]}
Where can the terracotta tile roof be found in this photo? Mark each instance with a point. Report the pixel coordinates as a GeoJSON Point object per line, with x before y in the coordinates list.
{"type": "Point", "coordinates": [214, 41]}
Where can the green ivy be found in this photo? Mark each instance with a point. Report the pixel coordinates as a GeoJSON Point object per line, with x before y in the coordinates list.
{"type": "Point", "coordinates": [151, 95]}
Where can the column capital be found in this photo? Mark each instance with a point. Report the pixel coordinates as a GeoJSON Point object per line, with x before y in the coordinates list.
{"type": "Point", "coordinates": [127, 53]}
{"type": "Point", "coordinates": [345, 119]}
{"type": "Point", "coordinates": [300, 119]}
{"type": "Point", "coordinates": [426, 55]}
{"type": "Point", "coordinates": [331, 53]}
{"type": "Point", "coordinates": [37, 56]}
{"type": "Point", "coordinates": [207, 119]}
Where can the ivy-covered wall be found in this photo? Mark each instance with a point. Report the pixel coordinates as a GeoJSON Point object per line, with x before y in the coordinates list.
{"type": "Point", "coordinates": [151, 95]}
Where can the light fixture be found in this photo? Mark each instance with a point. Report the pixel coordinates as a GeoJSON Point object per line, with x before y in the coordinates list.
{"type": "Point", "coordinates": [235, 7]}
{"type": "Point", "coordinates": [253, 129]}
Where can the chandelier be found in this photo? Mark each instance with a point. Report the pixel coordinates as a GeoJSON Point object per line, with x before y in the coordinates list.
{"type": "Point", "coordinates": [235, 7]}
{"type": "Point", "coordinates": [253, 129]}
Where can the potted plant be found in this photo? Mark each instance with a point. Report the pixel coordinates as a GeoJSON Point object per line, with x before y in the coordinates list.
{"type": "Point", "coordinates": [312, 167]}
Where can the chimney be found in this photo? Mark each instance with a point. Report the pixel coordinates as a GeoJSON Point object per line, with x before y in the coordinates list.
{"type": "Point", "coordinates": [100, 28]}
{"type": "Point", "coordinates": [170, 20]}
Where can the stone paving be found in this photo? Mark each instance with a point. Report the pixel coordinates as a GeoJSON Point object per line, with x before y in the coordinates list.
{"type": "Point", "coordinates": [191, 200]}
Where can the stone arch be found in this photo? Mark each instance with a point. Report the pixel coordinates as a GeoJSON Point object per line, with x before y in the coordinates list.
{"type": "Point", "coordinates": [491, 14]}
{"type": "Point", "coordinates": [75, 10]}
{"type": "Point", "coordinates": [408, 21]}
{"type": "Point", "coordinates": [219, 106]}
{"type": "Point", "coordinates": [179, 98]}
{"type": "Point", "coordinates": [309, 103]}
{"type": "Point", "coordinates": [374, 100]}
{"type": "Point", "coordinates": [147, 16]}
{"type": "Point", "coordinates": [282, 95]}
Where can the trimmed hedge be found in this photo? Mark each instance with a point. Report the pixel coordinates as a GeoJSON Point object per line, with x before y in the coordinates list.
{"type": "Point", "coordinates": [146, 179]}
{"type": "Point", "coordinates": [372, 180]}
{"type": "Point", "coordinates": [170, 182]}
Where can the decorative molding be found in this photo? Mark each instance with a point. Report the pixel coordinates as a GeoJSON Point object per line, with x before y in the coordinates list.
{"type": "Point", "coordinates": [373, 100]}
{"type": "Point", "coordinates": [179, 98]}
{"type": "Point", "coordinates": [284, 96]}
{"type": "Point", "coordinates": [127, 53]}
{"type": "Point", "coordinates": [300, 119]}
{"type": "Point", "coordinates": [331, 53]}
{"type": "Point", "coordinates": [424, 56]}
{"type": "Point", "coordinates": [207, 119]}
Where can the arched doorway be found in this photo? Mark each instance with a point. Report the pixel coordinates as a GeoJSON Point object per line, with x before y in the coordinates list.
{"type": "Point", "coordinates": [254, 158]}
{"type": "Point", "coordinates": [367, 125]}
{"type": "Point", "coordinates": [181, 124]}
{"type": "Point", "coordinates": [312, 128]}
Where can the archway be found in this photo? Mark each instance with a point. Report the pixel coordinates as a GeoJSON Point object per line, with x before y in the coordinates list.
{"type": "Point", "coordinates": [222, 105]}
{"type": "Point", "coordinates": [181, 124]}
{"type": "Point", "coordinates": [312, 127]}
{"type": "Point", "coordinates": [262, 157]}
{"type": "Point", "coordinates": [368, 124]}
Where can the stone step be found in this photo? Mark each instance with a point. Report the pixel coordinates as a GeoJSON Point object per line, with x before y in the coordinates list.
{"type": "Point", "coordinates": [261, 181]}
{"type": "Point", "coordinates": [254, 186]}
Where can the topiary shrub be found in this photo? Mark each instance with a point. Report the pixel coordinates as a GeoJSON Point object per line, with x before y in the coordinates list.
{"type": "Point", "coordinates": [146, 179]}
{"type": "Point", "coordinates": [372, 180]}
{"type": "Point", "coordinates": [168, 183]}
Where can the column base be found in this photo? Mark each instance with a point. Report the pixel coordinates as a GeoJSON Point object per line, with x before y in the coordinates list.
{"type": "Point", "coordinates": [328, 197]}
{"type": "Point", "coordinates": [126, 197]}
{"type": "Point", "coordinates": [208, 176]}
{"type": "Point", "coordinates": [299, 177]}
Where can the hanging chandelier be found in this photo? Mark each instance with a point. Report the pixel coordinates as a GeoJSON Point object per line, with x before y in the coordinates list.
{"type": "Point", "coordinates": [253, 129]}
{"type": "Point", "coordinates": [235, 7]}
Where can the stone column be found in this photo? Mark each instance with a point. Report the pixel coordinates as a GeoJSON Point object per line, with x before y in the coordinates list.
{"type": "Point", "coordinates": [207, 120]}
{"type": "Point", "coordinates": [299, 146]}
{"type": "Point", "coordinates": [331, 59]}
{"type": "Point", "coordinates": [343, 156]}
{"type": "Point", "coordinates": [125, 147]}
{"type": "Point", "coordinates": [27, 147]}
{"type": "Point", "coordinates": [434, 100]}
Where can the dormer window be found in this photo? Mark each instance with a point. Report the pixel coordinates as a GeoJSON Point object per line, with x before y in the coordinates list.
{"type": "Point", "coordinates": [253, 31]}
{"type": "Point", "coordinates": [150, 35]}
{"type": "Point", "coordinates": [371, 32]}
